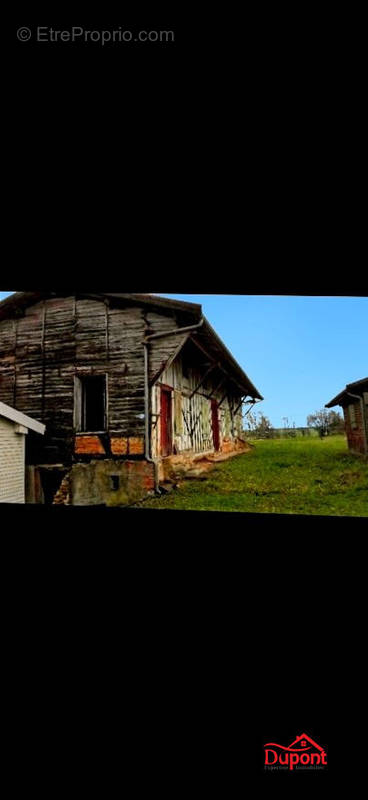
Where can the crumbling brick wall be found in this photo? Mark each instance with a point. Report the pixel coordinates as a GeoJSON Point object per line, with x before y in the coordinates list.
{"type": "Point", "coordinates": [62, 496]}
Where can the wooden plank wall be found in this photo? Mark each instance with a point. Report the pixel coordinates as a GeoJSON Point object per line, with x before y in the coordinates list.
{"type": "Point", "coordinates": [59, 338]}
{"type": "Point", "coordinates": [160, 350]}
{"type": "Point", "coordinates": [202, 439]}
{"type": "Point", "coordinates": [8, 329]}
{"type": "Point", "coordinates": [126, 371]}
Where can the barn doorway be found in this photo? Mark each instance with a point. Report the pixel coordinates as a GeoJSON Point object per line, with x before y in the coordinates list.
{"type": "Point", "coordinates": [166, 423]}
{"type": "Point", "coordinates": [215, 425]}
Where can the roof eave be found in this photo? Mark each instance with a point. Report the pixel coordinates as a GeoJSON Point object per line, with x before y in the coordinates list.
{"type": "Point", "coordinates": [22, 299]}
{"type": "Point", "coordinates": [242, 377]}
{"type": "Point", "coordinates": [19, 418]}
{"type": "Point", "coordinates": [335, 401]}
{"type": "Point", "coordinates": [350, 388]}
{"type": "Point", "coordinates": [356, 384]}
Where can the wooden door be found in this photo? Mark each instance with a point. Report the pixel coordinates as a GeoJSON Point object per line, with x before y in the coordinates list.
{"type": "Point", "coordinates": [165, 420]}
{"type": "Point", "coordinates": [215, 425]}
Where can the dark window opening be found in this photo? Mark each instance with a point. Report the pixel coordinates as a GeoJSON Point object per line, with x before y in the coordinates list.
{"type": "Point", "coordinates": [93, 405]}
{"type": "Point", "coordinates": [115, 482]}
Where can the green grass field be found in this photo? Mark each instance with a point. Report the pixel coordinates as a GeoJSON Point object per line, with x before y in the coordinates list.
{"type": "Point", "coordinates": [295, 476]}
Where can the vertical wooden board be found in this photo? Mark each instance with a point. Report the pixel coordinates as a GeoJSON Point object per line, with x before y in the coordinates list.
{"type": "Point", "coordinates": [7, 338]}
{"type": "Point", "coordinates": [59, 331]}
{"type": "Point", "coordinates": [90, 331]}
{"type": "Point", "coordinates": [29, 362]}
{"type": "Point", "coordinates": [178, 423]}
{"type": "Point", "coordinates": [186, 423]}
{"type": "Point", "coordinates": [7, 360]}
{"type": "Point", "coordinates": [126, 369]}
{"type": "Point", "coordinates": [164, 348]}
{"type": "Point", "coordinates": [59, 353]}
{"type": "Point", "coordinates": [126, 332]}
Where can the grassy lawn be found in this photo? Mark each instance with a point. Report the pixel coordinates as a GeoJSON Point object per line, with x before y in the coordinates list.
{"type": "Point", "coordinates": [293, 476]}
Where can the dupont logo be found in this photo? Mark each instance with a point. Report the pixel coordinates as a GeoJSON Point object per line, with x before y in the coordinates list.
{"type": "Point", "coordinates": [303, 753]}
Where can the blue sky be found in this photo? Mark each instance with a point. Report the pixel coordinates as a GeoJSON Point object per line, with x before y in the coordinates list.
{"type": "Point", "coordinates": [298, 351]}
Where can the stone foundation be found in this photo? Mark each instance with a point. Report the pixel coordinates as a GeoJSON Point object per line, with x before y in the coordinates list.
{"type": "Point", "coordinates": [174, 468]}
{"type": "Point", "coordinates": [109, 482]}
{"type": "Point", "coordinates": [122, 482]}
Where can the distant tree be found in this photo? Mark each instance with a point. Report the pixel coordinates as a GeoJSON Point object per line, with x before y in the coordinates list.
{"type": "Point", "coordinates": [319, 420]}
{"type": "Point", "coordinates": [251, 421]}
{"type": "Point", "coordinates": [326, 422]}
{"type": "Point", "coordinates": [336, 422]}
{"type": "Point", "coordinates": [259, 425]}
{"type": "Point", "coordinates": [264, 427]}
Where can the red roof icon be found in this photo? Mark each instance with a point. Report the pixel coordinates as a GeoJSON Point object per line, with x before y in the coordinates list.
{"type": "Point", "coordinates": [303, 740]}
{"type": "Point", "coordinates": [307, 738]}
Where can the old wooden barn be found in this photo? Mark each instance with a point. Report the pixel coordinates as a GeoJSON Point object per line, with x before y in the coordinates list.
{"type": "Point", "coordinates": [354, 402]}
{"type": "Point", "coordinates": [131, 389]}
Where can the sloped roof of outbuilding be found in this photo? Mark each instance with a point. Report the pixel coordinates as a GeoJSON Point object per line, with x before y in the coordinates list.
{"type": "Point", "coordinates": [358, 387]}
{"type": "Point", "coordinates": [19, 418]}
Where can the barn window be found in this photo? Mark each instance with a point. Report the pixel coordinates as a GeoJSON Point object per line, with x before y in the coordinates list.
{"type": "Point", "coordinates": [90, 403]}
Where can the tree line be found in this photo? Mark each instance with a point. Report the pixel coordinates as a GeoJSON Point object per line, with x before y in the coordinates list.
{"type": "Point", "coordinates": [324, 422]}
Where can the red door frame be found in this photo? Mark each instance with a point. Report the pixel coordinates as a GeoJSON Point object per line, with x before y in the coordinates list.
{"type": "Point", "coordinates": [215, 425]}
{"type": "Point", "coordinates": [166, 421]}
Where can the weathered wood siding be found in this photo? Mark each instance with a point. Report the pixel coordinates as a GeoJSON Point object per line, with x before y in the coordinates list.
{"type": "Point", "coordinates": [8, 329]}
{"type": "Point", "coordinates": [193, 414]}
{"type": "Point", "coordinates": [61, 338]}
{"type": "Point", "coordinates": [356, 424]}
{"type": "Point", "coordinates": [162, 349]}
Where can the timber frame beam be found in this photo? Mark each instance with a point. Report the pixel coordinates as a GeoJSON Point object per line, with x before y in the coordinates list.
{"type": "Point", "coordinates": [222, 399]}
{"type": "Point", "coordinates": [239, 404]}
{"type": "Point", "coordinates": [201, 382]}
{"type": "Point", "coordinates": [219, 365]}
{"type": "Point", "coordinates": [222, 381]}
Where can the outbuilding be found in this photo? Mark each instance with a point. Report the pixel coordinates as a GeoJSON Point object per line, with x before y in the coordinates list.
{"type": "Point", "coordinates": [354, 402]}
{"type": "Point", "coordinates": [14, 426]}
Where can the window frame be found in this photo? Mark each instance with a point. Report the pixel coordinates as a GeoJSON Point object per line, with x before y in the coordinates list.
{"type": "Point", "coordinates": [79, 400]}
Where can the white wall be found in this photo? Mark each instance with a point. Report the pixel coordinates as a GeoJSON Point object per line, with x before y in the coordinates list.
{"type": "Point", "coordinates": [12, 452]}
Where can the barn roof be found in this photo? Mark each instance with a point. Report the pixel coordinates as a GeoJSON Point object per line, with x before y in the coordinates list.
{"type": "Point", "coordinates": [207, 335]}
{"type": "Point", "coordinates": [21, 300]}
{"type": "Point", "coordinates": [358, 387]}
{"type": "Point", "coordinates": [216, 345]}
{"type": "Point", "coordinates": [21, 419]}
